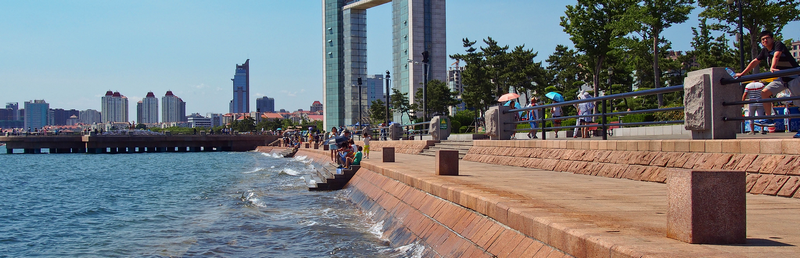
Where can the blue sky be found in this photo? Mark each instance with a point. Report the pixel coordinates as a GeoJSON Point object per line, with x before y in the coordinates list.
{"type": "Point", "coordinates": [70, 53]}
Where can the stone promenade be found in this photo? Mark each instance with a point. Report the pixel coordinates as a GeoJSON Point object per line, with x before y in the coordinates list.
{"type": "Point", "coordinates": [588, 216]}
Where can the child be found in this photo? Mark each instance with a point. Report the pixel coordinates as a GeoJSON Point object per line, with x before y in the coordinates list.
{"type": "Point", "coordinates": [367, 137]}
{"type": "Point", "coordinates": [753, 92]}
{"type": "Point", "coordinates": [355, 159]}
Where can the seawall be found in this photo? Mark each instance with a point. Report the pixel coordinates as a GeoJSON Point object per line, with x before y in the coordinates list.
{"type": "Point", "coordinates": [444, 228]}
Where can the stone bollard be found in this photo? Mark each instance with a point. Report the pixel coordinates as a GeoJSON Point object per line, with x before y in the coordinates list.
{"type": "Point", "coordinates": [316, 145]}
{"type": "Point", "coordinates": [706, 206]}
{"type": "Point", "coordinates": [388, 154]}
{"type": "Point", "coordinates": [703, 95]}
{"type": "Point", "coordinates": [446, 162]}
{"type": "Point", "coordinates": [325, 147]}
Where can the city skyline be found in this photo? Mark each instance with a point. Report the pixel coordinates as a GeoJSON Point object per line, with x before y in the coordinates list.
{"type": "Point", "coordinates": [69, 53]}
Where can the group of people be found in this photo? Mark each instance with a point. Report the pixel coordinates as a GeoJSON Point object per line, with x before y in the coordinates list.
{"type": "Point", "coordinates": [344, 150]}
{"type": "Point", "coordinates": [778, 57]}
{"type": "Point", "coordinates": [584, 110]}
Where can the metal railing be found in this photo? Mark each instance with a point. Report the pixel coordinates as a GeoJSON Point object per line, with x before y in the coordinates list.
{"type": "Point", "coordinates": [761, 76]}
{"type": "Point", "coordinates": [603, 115]}
{"type": "Point", "coordinates": [407, 130]}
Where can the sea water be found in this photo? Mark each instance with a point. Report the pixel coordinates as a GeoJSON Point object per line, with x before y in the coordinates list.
{"type": "Point", "coordinates": [224, 204]}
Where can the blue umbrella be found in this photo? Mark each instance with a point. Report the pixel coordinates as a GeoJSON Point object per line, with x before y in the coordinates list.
{"type": "Point", "coordinates": [555, 96]}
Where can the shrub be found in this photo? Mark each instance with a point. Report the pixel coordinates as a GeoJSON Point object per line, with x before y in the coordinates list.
{"type": "Point", "coordinates": [463, 129]}
{"type": "Point", "coordinates": [454, 125]}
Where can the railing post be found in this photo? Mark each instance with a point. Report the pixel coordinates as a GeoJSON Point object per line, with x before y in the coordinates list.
{"type": "Point", "coordinates": [703, 98]}
{"type": "Point", "coordinates": [541, 124]}
{"type": "Point", "coordinates": [603, 121]}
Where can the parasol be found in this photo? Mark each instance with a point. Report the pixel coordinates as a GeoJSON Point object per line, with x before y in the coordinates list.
{"type": "Point", "coordinates": [555, 96]}
{"type": "Point", "coordinates": [507, 97]}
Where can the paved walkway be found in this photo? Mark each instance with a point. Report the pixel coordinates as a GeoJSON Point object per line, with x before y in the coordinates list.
{"type": "Point", "coordinates": [620, 213]}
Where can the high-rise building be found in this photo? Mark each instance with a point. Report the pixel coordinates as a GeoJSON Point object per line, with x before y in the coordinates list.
{"type": "Point", "coordinates": [10, 116]}
{"type": "Point", "coordinates": [455, 84]}
{"type": "Point", "coordinates": [90, 116]}
{"type": "Point", "coordinates": [241, 89]}
{"type": "Point", "coordinates": [418, 26]}
{"type": "Point", "coordinates": [795, 49]}
{"type": "Point", "coordinates": [114, 107]}
{"type": "Point", "coordinates": [36, 114]}
{"type": "Point", "coordinates": [265, 104]}
{"type": "Point", "coordinates": [13, 108]}
{"type": "Point", "coordinates": [316, 106]}
{"type": "Point", "coordinates": [73, 120]}
{"type": "Point", "coordinates": [59, 116]}
{"type": "Point", "coordinates": [173, 109]}
{"type": "Point", "coordinates": [147, 109]}
{"type": "Point", "coordinates": [374, 88]}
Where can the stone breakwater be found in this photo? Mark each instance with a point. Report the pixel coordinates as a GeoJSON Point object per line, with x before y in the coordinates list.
{"type": "Point", "coordinates": [772, 166]}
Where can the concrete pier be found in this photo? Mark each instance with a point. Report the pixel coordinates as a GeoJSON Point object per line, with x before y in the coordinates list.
{"type": "Point", "coordinates": [134, 143]}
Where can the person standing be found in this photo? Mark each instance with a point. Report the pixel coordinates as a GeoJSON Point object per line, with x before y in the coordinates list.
{"type": "Point", "coordinates": [778, 58]}
{"type": "Point", "coordinates": [585, 112]}
{"type": "Point", "coordinates": [533, 114]}
{"type": "Point", "coordinates": [753, 92]}
{"type": "Point", "coordinates": [556, 112]}
{"type": "Point", "coordinates": [367, 137]}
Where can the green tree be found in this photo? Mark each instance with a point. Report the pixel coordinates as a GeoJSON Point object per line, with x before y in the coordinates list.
{"type": "Point", "coordinates": [248, 124]}
{"type": "Point", "coordinates": [440, 98]}
{"type": "Point", "coordinates": [649, 18]}
{"type": "Point", "coordinates": [593, 28]}
{"type": "Point", "coordinates": [565, 68]}
{"type": "Point", "coordinates": [524, 74]}
{"type": "Point", "coordinates": [478, 91]}
{"type": "Point", "coordinates": [377, 112]}
{"type": "Point", "coordinates": [757, 15]}
{"type": "Point", "coordinates": [708, 51]}
{"type": "Point", "coordinates": [400, 103]}
{"type": "Point", "coordinates": [269, 124]}
{"type": "Point", "coordinates": [497, 61]}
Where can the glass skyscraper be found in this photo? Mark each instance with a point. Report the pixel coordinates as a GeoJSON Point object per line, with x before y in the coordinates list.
{"type": "Point", "coordinates": [241, 89]}
{"type": "Point", "coordinates": [417, 26]}
{"type": "Point", "coordinates": [265, 104]}
{"type": "Point", "coordinates": [36, 114]}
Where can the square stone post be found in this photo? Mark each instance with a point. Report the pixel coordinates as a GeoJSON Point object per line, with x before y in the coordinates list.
{"type": "Point", "coordinates": [388, 154]}
{"type": "Point", "coordinates": [702, 101]}
{"type": "Point", "coordinates": [446, 162]}
{"type": "Point", "coordinates": [499, 123]}
{"type": "Point", "coordinates": [706, 206]}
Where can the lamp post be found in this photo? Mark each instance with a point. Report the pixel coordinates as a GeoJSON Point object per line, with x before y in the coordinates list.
{"type": "Point", "coordinates": [387, 97]}
{"type": "Point", "coordinates": [360, 120]}
{"type": "Point", "coordinates": [424, 83]}
{"type": "Point", "coordinates": [741, 32]}
{"type": "Point", "coordinates": [425, 66]}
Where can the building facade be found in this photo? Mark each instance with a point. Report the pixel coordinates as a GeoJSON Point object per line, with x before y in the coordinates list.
{"type": "Point", "coordinates": [417, 26]}
{"type": "Point", "coordinates": [10, 116]}
{"type": "Point", "coordinates": [114, 107]}
{"type": "Point", "coordinates": [173, 109]}
{"type": "Point", "coordinates": [795, 49]}
{"type": "Point", "coordinates": [241, 89]}
{"type": "Point", "coordinates": [59, 116]}
{"type": "Point", "coordinates": [36, 112]}
{"type": "Point", "coordinates": [147, 109]}
{"type": "Point", "coordinates": [455, 83]}
{"type": "Point", "coordinates": [374, 88]}
{"type": "Point", "coordinates": [265, 104]}
{"type": "Point", "coordinates": [90, 116]}
{"type": "Point", "coordinates": [316, 106]}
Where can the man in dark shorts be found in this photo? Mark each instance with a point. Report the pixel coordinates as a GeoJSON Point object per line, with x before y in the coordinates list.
{"type": "Point", "coordinates": [778, 58]}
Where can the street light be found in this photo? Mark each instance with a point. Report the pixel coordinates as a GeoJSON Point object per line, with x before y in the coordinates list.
{"type": "Point", "coordinates": [387, 98]}
{"type": "Point", "coordinates": [425, 67]}
{"type": "Point", "coordinates": [741, 32]}
{"type": "Point", "coordinates": [360, 120]}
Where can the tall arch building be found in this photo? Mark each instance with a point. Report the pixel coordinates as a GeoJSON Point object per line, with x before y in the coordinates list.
{"type": "Point", "coordinates": [417, 26]}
